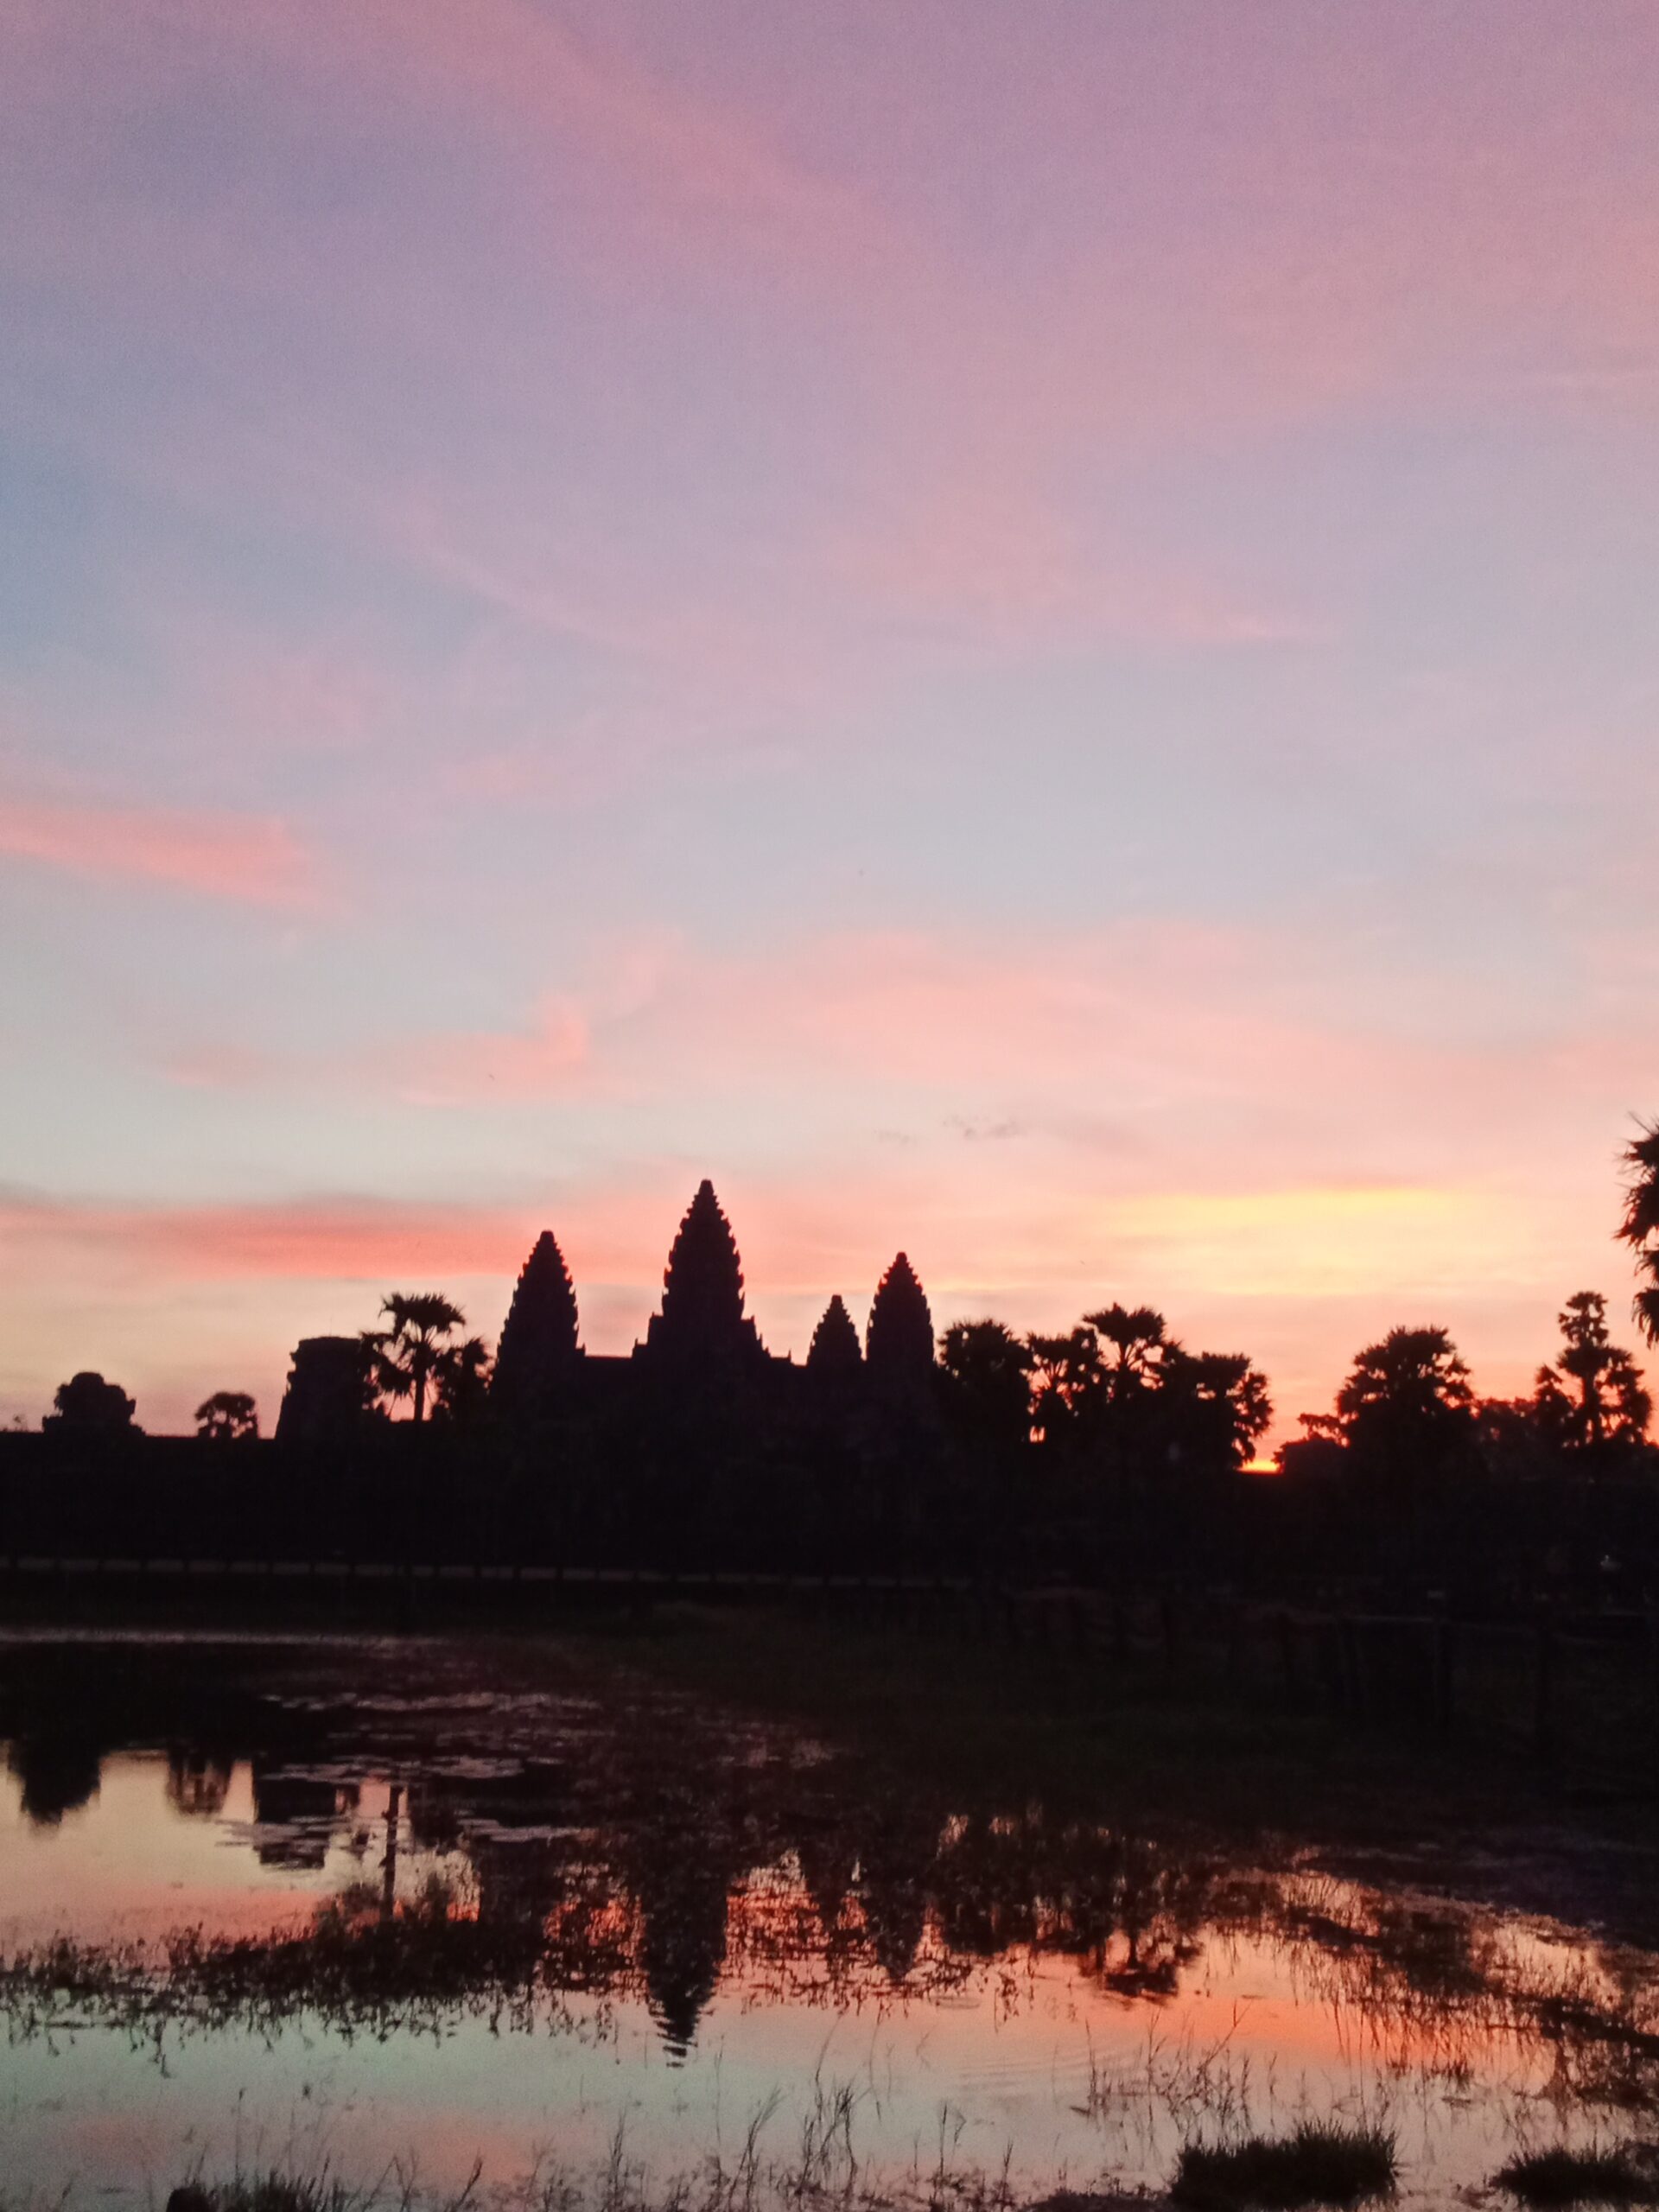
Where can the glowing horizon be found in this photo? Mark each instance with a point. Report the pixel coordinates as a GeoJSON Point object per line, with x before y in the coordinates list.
{"type": "Point", "coordinates": [1027, 641]}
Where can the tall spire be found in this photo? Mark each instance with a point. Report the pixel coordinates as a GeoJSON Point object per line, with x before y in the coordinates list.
{"type": "Point", "coordinates": [834, 1351]}
{"type": "Point", "coordinates": [538, 1345]}
{"type": "Point", "coordinates": [899, 1344]}
{"type": "Point", "coordinates": [703, 1319]}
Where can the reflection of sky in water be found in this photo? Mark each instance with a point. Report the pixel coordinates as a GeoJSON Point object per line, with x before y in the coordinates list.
{"type": "Point", "coordinates": [1256, 2000]}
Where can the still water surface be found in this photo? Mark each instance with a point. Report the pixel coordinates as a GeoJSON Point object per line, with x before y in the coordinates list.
{"type": "Point", "coordinates": [459, 1902]}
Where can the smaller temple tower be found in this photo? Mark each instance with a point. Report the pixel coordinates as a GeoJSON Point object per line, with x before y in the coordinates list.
{"type": "Point", "coordinates": [329, 1393]}
{"type": "Point", "coordinates": [537, 1359]}
{"type": "Point", "coordinates": [899, 1343]}
{"type": "Point", "coordinates": [834, 1355]}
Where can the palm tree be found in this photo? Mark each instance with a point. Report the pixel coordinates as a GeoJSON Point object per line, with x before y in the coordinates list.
{"type": "Point", "coordinates": [463, 1379]}
{"type": "Point", "coordinates": [988, 1369]}
{"type": "Point", "coordinates": [1640, 1227]}
{"type": "Point", "coordinates": [1407, 1410]}
{"type": "Point", "coordinates": [414, 1352]}
{"type": "Point", "coordinates": [1139, 1337]}
{"type": "Point", "coordinates": [1218, 1408]}
{"type": "Point", "coordinates": [1065, 1371]}
{"type": "Point", "coordinates": [1611, 1403]}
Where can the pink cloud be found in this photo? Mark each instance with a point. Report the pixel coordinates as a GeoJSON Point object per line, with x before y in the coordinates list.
{"type": "Point", "coordinates": [247, 859]}
{"type": "Point", "coordinates": [351, 1240]}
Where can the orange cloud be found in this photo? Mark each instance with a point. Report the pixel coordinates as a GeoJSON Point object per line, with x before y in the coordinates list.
{"type": "Point", "coordinates": [252, 860]}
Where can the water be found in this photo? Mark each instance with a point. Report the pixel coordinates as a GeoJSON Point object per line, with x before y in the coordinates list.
{"type": "Point", "coordinates": [513, 1904]}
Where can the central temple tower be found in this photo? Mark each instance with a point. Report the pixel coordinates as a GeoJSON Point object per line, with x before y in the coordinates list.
{"type": "Point", "coordinates": [702, 1327]}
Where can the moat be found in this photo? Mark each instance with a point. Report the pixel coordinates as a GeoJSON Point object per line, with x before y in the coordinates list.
{"type": "Point", "coordinates": [354, 1902]}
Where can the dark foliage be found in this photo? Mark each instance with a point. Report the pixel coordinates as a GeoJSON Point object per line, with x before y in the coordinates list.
{"type": "Point", "coordinates": [987, 1371]}
{"type": "Point", "coordinates": [1320, 2163]}
{"type": "Point", "coordinates": [1593, 1397]}
{"type": "Point", "coordinates": [1640, 1227]}
{"type": "Point", "coordinates": [1407, 1410]}
{"type": "Point", "coordinates": [227, 1416]}
{"type": "Point", "coordinates": [410, 1356]}
{"type": "Point", "coordinates": [86, 1406]}
{"type": "Point", "coordinates": [1628, 2174]}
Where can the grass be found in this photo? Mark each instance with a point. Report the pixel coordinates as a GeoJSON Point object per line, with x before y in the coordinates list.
{"type": "Point", "coordinates": [268, 2193]}
{"type": "Point", "coordinates": [415, 1972]}
{"type": "Point", "coordinates": [821, 2177]}
{"type": "Point", "coordinates": [1320, 2163]}
{"type": "Point", "coordinates": [1627, 2173]}
{"type": "Point", "coordinates": [279, 2192]}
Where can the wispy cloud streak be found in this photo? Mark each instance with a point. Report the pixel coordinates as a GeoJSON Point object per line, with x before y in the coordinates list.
{"type": "Point", "coordinates": [245, 859]}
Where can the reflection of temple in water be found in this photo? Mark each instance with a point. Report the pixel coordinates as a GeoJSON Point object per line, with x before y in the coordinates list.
{"type": "Point", "coordinates": [310, 1809]}
{"type": "Point", "coordinates": [658, 1853]}
{"type": "Point", "coordinates": [198, 1783]}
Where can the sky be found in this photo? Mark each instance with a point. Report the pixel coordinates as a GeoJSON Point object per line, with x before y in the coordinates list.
{"type": "Point", "coordinates": [1022, 632]}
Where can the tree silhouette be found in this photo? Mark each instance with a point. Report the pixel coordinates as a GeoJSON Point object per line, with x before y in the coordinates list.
{"type": "Point", "coordinates": [1521, 1438]}
{"type": "Point", "coordinates": [89, 1406]}
{"type": "Point", "coordinates": [1611, 1404]}
{"type": "Point", "coordinates": [1640, 1227]}
{"type": "Point", "coordinates": [1406, 1409]}
{"type": "Point", "coordinates": [833, 1351]}
{"type": "Point", "coordinates": [538, 1348]}
{"type": "Point", "coordinates": [413, 1353]}
{"type": "Point", "coordinates": [1067, 1374]}
{"type": "Point", "coordinates": [899, 1342]}
{"type": "Point", "coordinates": [703, 1322]}
{"type": "Point", "coordinates": [463, 1383]}
{"type": "Point", "coordinates": [227, 1414]}
{"type": "Point", "coordinates": [1215, 1406]}
{"type": "Point", "coordinates": [1138, 1336]}
{"type": "Point", "coordinates": [988, 1372]}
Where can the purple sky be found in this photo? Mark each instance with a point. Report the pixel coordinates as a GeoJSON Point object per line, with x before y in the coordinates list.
{"type": "Point", "coordinates": [1023, 631]}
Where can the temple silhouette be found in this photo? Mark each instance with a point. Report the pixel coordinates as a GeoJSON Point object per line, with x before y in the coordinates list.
{"type": "Point", "coordinates": [701, 1344]}
{"type": "Point", "coordinates": [1099, 1456]}
{"type": "Point", "coordinates": [699, 1447]}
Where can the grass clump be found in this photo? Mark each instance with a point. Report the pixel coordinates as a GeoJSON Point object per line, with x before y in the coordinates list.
{"type": "Point", "coordinates": [268, 2193]}
{"type": "Point", "coordinates": [1626, 2174]}
{"type": "Point", "coordinates": [1322, 2162]}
